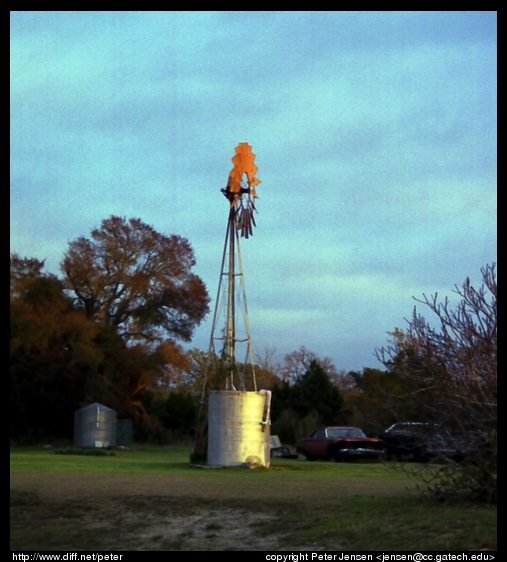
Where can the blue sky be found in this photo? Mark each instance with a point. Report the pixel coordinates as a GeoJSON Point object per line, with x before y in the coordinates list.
{"type": "Point", "coordinates": [375, 135]}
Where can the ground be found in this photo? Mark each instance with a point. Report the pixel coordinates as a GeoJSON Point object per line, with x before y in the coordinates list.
{"type": "Point", "coordinates": [74, 512]}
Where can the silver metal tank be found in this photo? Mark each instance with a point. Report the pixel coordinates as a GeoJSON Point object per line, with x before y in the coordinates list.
{"type": "Point", "coordinates": [239, 428]}
{"type": "Point", "coordinates": [95, 426]}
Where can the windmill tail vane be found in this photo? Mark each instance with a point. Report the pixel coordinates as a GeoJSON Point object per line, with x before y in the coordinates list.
{"type": "Point", "coordinates": [240, 190]}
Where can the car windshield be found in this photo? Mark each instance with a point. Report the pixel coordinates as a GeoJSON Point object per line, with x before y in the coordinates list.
{"type": "Point", "coordinates": [345, 432]}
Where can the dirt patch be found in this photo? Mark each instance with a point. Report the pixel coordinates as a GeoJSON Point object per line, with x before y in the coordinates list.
{"type": "Point", "coordinates": [219, 530]}
{"type": "Point", "coordinates": [59, 518]}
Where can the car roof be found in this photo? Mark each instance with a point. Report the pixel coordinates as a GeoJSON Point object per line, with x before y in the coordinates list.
{"type": "Point", "coordinates": [340, 427]}
{"type": "Point", "coordinates": [410, 424]}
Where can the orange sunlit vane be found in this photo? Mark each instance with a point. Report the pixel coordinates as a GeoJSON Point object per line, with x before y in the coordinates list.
{"type": "Point", "coordinates": [240, 190]}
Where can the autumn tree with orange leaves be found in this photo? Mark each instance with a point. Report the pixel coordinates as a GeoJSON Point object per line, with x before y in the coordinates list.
{"type": "Point", "coordinates": [106, 332]}
{"type": "Point", "coordinates": [136, 280]}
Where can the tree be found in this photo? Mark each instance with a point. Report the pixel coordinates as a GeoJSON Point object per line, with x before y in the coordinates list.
{"type": "Point", "coordinates": [316, 392]}
{"type": "Point", "coordinates": [136, 280]}
{"type": "Point", "coordinates": [138, 285]}
{"type": "Point", "coordinates": [23, 273]}
{"type": "Point", "coordinates": [297, 363]}
{"type": "Point", "coordinates": [267, 360]}
{"type": "Point", "coordinates": [301, 407]}
{"type": "Point", "coordinates": [107, 331]}
{"type": "Point", "coordinates": [370, 399]}
{"type": "Point", "coordinates": [52, 349]}
{"type": "Point", "coordinates": [450, 377]}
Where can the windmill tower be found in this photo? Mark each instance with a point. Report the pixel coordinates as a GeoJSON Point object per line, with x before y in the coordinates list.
{"type": "Point", "coordinates": [233, 424]}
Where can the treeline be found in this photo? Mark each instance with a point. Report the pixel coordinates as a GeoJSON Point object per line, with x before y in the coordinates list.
{"type": "Point", "coordinates": [108, 331]}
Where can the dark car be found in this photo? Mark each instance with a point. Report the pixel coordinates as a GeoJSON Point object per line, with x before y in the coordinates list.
{"type": "Point", "coordinates": [423, 442]}
{"type": "Point", "coordinates": [339, 443]}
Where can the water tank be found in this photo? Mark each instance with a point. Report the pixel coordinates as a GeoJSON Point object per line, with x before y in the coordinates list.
{"type": "Point", "coordinates": [239, 428]}
{"type": "Point", "coordinates": [95, 426]}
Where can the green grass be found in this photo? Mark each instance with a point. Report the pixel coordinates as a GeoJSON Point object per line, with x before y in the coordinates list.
{"type": "Point", "coordinates": [79, 502]}
{"type": "Point", "coordinates": [142, 460]}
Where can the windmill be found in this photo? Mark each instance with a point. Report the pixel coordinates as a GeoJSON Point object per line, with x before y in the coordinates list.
{"type": "Point", "coordinates": [233, 424]}
{"type": "Point", "coordinates": [240, 192]}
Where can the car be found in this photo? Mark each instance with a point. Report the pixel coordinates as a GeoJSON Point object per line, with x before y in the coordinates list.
{"type": "Point", "coordinates": [405, 440]}
{"type": "Point", "coordinates": [280, 451]}
{"type": "Point", "coordinates": [423, 442]}
{"type": "Point", "coordinates": [339, 443]}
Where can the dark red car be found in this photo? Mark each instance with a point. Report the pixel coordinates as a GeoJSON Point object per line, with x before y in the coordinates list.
{"type": "Point", "coordinates": [339, 443]}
